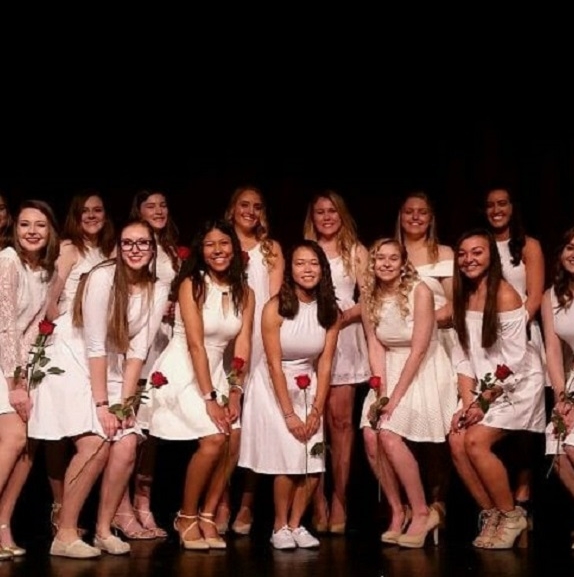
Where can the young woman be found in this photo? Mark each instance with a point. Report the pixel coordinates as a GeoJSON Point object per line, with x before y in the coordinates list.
{"type": "Point", "coordinates": [412, 371]}
{"type": "Point", "coordinates": [299, 328]}
{"type": "Point", "coordinates": [215, 306]}
{"type": "Point", "coordinates": [25, 273]}
{"type": "Point", "coordinates": [329, 223]}
{"type": "Point", "coordinates": [523, 267]}
{"type": "Point", "coordinates": [137, 521]}
{"type": "Point", "coordinates": [558, 323]}
{"type": "Point", "coordinates": [495, 357]}
{"type": "Point", "coordinates": [88, 240]}
{"type": "Point", "coordinates": [102, 355]}
{"type": "Point", "coordinates": [265, 266]}
{"type": "Point", "coordinates": [416, 229]}
{"type": "Point", "coordinates": [5, 222]}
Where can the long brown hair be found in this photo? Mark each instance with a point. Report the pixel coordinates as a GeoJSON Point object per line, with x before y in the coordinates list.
{"type": "Point", "coordinates": [6, 230]}
{"type": "Point", "coordinates": [118, 326]}
{"type": "Point", "coordinates": [51, 251]}
{"type": "Point", "coordinates": [262, 228]}
{"type": "Point", "coordinates": [347, 237]}
{"type": "Point", "coordinates": [74, 232]}
{"type": "Point", "coordinates": [463, 287]}
{"type": "Point", "coordinates": [562, 284]}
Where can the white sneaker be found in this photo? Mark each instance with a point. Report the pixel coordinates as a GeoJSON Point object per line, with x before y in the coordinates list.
{"type": "Point", "coordinates": [303, 538]}
{"type": "Point", "coordinates": [283, 539]}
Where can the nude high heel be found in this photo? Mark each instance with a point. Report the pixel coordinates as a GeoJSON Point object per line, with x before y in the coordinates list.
{"type": "Point", "coordinates": [196, 544]}
{"type": "Point", "coordinates": [212, 542]}
{"type": "Point", "coordinates": [512, 529]}
{"type": "Point", "coordinates": [392, 537]}
{"type": "Point", "coordinates": [487, 523]}
{"type": "Point", "coordinates": [418, 541]}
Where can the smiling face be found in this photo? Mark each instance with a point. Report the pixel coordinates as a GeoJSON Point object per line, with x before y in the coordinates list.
{"type": "Point", "coordinates": [326, 218]}
{"type": "Point", "coordinates": [154, 211]}
{"type": "Point", "coordinates": [306, 268]}
{"type": "Point", "coordinates": [247, 211]}
{"type": "Point", "coordinates": [32, 230]}
{"type": "Point", "coordinates": [567, 257]}
{"type": "Point", "coordinates": [93, 216]}
{"type": "Point", "coordinates": [473, 257]}
{"type": "Point", "coordinates": [498, 209]}
{"type": "Point", "coordinates": [217, 251]}
{"type": "Point", "coordinates": [388, 262]}
{"type": "Point", "coordinates": [136, 246]}
{"type": "Point", "coordinates": [416, 217]}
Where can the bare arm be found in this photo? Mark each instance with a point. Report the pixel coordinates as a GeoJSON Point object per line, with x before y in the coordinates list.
{"type": "Point", "coordinates": [553, 345]}
{"type": "Point", "coordinates": [353, 314]}
{"type": "Point", "coordinates": [276, 272]}
{"type": "Point", "coordinates": [66, 261]}
{"type": "Point", "coordinates": [534, 263]}
{"type": "Point", "coordinates": [376, 351]}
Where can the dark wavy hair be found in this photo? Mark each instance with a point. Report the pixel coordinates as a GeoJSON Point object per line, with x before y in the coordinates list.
{"type": "Point", "coordinates": [516, 226]}
{"type": "Point", "coordinates": [52, 249]}
{"type": "Point", "coordinates": [562, 278]}
{"type": "Point", "coordinates": [167, 236]}
{"type": "Point", "coordinates": [327, 309]}
{"type": "Point", "coordinates": [462, 287]}
{"type": "Point", "coordinates": [6, 231]}
{"type": "Point", "coordinates": [195, 267]}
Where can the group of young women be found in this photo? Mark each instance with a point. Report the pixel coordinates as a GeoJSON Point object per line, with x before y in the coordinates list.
{"type": "Point", "coordinates": [258, 356]}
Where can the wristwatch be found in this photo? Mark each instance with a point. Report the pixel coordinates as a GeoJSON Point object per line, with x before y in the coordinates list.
{"type": "Point", "coordinates": [211, 396]}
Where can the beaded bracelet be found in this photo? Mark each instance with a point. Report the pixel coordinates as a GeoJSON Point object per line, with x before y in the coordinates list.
{"type": "Point", "coordinates": [102, 404]}
{"type": "Point", "coordinates": [288, 415]}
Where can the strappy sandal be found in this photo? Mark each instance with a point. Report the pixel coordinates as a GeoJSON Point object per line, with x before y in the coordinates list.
{"type": "Point", "coordinates": [147, 521]}
{"type": "Point", "coordinates": [213, 542]}
{"type": "Point", "coordinates": [124, 530]}
{"type": "Point", "coordinates": [197, 544]}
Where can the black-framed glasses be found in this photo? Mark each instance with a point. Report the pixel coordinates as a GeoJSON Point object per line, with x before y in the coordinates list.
{"type": "Point", "coordinates": [143, 244]}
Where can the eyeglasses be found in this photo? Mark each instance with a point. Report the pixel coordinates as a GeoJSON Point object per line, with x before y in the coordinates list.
{"type": "Point", "coordinates": [142, 244]}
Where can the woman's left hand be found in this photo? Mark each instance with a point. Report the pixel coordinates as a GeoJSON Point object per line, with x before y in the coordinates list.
{"type": "Point", "coordinates": [21, 402]}
{"type": "Point", "coordinates": [234, 408]}
{"type": "Point", "coordinates": [312, 423]}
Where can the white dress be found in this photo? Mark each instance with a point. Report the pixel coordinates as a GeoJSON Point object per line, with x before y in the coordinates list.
{"type": "Point", "coordinates": [23, 294]}
{"type": "Point", "coordinates": [564, 328]}
{"type": "Point", "coordinates": [177, 410]}
{"type": "Point", "coordinates": [516, 276]}
{"type": "Point", "coordinates": [523, 409]}
{"type": "Point", "coordinates": [267, 446]}
{"type": "Point", "coordinates": [70, 406]}
{"type": "Point", "coordinates": [351, 361]}
{"type": "Point", "coordinates": [64, 345]}
{"type": "Point", "coordinates": [165, 275]}
{"type": "Point", "coordinates": [425, 411]}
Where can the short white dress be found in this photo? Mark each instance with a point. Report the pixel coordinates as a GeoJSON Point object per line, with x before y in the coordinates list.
{"type": "Point", "coordinates": [177, 410]}
{"type": "Point", "coordinates": [351, 361]}
{"type": "Point", "coordinates": [516, 276]}
{"type": "Point", "coordinates": [522, 405]}
{"type": "Point", "coordinates": [267, 446]}
{"type": "Point", "coordinates": [68, 409]}
{"type": "Point", "coordinates": [165, 275]}
{"type": "Point", "coordinates": [564, 328]}
{"type": "Point", "coordinates": [425, 411]}
{"type": "Point", "coordinates": [23, 293]}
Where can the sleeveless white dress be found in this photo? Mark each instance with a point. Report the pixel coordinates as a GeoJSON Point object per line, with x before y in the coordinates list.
{"type": "Point", "coordinates": [65, 343]}
{"type": "Point", "coordinates": [524, 407]}
{"type": "Point", "coordinates": [351, 361]}
{"type": "Point", "coordinates": [516, 276]}
{"type": "Point", "coordinates": [267, 446]}
{"type": "Point", "coordinates": [23, 293]}
{"type": "Point", "coordinates": [177, 410]}
{"type": "Point", "coordinates": [425, 411]}
{"type": "Point", "coordinates": [564, 328]}
{"type": "Point", "coordinates": [70, 405]}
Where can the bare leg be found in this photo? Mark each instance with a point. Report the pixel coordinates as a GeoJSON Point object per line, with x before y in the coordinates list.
{"type": "Point", "coordinates": [320, 507]}
{"type": "Point", "coordinates": [12, 443]}
{"type": "Point", "coordinates": [283, 493]}
{"type": "Point", "coordinates": [244, 516]}
{"type": "Point", "coordinates": [57, 459]}
{"type": "Point", "coordinates": [565, 470]}
{"type": "Point", "coordinates": [303, 491]}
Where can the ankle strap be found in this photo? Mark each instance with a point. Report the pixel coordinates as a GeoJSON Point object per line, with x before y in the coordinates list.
{"type": "Point", "coordinates": [180, 515]}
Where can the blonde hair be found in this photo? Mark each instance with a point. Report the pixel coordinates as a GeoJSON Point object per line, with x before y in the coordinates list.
{"type": "Point", "coordinates": [262, 228]}
{"type": "Point", "coordinates": [431, 237]}
{"type": "Point", "coordinates": [347, 238]}
{"type": "Point", "coordinates": [374, 294]}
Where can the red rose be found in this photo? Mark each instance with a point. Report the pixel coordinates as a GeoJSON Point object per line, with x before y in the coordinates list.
{"type": "Point", "coordinates": [157, 380]}
{"type": "Point", "coordinates": [183, 252]}
{"type": "Point", "coordinates": [237, 363]}
{"type": "Point", "coordinates": [502, 372]}
{"type": "Point", "coordinates": [46, 327]}
{"type": "Point", "coordinates": [302, 381]}
{"type": "Point", "coordinates": [375, 382]}
{"type": "Point", "coordinates": [245, 257]}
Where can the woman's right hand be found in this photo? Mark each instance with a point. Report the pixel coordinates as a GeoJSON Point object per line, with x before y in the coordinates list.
{"type": "Point", "coordinates": [218, 415]}
{"type": "Point", "coordinates": [296, 427]}
{"type": "Point", "coordinates": [109, 422]}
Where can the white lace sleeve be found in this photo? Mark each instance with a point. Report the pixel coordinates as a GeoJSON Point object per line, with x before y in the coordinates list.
{"type": "Point", "coordinates": [95, 305]}
{"type": "Point", "coordinates": [10, 341]}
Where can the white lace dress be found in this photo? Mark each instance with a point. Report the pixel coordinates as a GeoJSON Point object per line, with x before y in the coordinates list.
{"type": "Point", "coordinates": [522, 405]}
{"type": "Point", "coordinates": [69, 410]}
{"type": "Point", "coordinates": [23, 295]}
{"type": "Point", "coordinates": [63, 346]}
{"type": "Point", "coordinates": [267, 446]}
{"type": "Point", "coordinates": [177, 410]}
{"type": "Point", "coordinates": [564, 328]}
{"type": "Point", "coordinates": [516, 276]}
{"type": "Point", "coordinates": [425, 411]}
{"type": "Point", "coordinates": [351, 361]}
